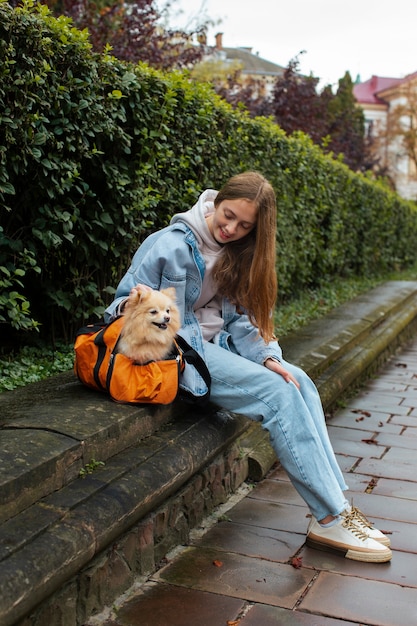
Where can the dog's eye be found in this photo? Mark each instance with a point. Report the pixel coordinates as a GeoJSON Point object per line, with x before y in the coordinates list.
{"type": "Point", "coordinates": [167, 310]}
{"type": "Point", "coordinates": [153, 311]}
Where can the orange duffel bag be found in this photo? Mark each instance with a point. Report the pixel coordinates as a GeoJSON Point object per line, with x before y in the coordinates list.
{"type": "Point", "coordinates": [99, 366]}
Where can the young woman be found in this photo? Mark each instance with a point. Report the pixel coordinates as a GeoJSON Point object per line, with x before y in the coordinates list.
{"type": "Point", "coordinates": [220, 257]}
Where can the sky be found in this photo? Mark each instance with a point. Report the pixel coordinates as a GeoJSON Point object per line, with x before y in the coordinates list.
{"type": "Point", "coordinates": [364, 37]}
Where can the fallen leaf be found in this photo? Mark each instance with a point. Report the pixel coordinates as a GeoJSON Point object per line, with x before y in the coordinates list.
{"type": "Point", "coordinates": [401, 365]}
{"type": "Point", "coordinates": [233, 622]}
{"type": "Point", "coordinates": [370, 441]}
{"type": "Point", "coordinates": [217, 563]}
{"type": "Point", "coordinates": [297, 562]}
{"type": "Point", "coordinates": [362, 412]}
{"type": "Point", "coordinates": [359, 419]}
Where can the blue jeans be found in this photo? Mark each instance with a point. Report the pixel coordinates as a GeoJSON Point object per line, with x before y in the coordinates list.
{"type": "Point", "coordinates": [294, 419]}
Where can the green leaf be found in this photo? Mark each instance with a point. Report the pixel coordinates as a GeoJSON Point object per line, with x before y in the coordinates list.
{"type": "Point", "coordinates": [106, 218]}
{"type": "Point", "coordinates": [39, 139]}
{"type": "Point", "coordinates": [7, 188]}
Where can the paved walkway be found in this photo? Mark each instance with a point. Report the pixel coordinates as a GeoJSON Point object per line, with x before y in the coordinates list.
{"type": "Point", "coordinates": [251, 567]}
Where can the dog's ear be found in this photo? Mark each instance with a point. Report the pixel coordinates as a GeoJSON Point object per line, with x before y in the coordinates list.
{"type": "Point", "coordinates": [170, 292]}
{"type": "Point", "coordinates": [136, 297]}
{"type": "Point", "coordinates": [143, 294]}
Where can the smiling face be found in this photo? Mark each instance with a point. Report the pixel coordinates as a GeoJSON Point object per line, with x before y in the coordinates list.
{"type": "Point", "coordinates": [232, 220]}
{"type": "Point", "coordinates": [157, 308]}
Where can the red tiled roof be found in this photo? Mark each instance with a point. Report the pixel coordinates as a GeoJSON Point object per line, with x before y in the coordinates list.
{"type": "Point", "coordinates": [367, 92]}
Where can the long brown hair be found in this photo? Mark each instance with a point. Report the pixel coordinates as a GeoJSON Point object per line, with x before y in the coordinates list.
{"type": "Point", "coordinates": [246, 271]}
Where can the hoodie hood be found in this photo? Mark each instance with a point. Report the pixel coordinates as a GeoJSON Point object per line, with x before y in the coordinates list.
{"type": "Point", "coordinates": [208, 307]}
{"type": "Point", "coordinates": [195, 219]}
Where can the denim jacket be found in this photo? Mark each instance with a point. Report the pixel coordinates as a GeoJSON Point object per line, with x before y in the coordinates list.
{"type": "Point", "coordinates": [171, 258]}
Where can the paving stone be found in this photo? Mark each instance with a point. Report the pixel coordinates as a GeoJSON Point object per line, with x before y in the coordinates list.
{"type": "Point", "coordinates": [165, 605]}
{"type": "Point", "coordinates": [400, 570]}
{"type": "Point", "coordinates": [359, 448]}
{"type": "Point", "coordinates": [237, 576]}
{"type": "Point", "coordinates": [340, 433]}
{"type": "Point", "coordinates": [399, 375]}
{"type": "Point", "coordinates": [358, 483]}
{"type": "Point", "coordinates": [376, 467]}
{"type": "Point", "coordinates": [401, 456]}
{"type": "Point", "coordinates": [404, 420]}
{"type": "Point", "coordinates": [347, 463]}
{"type": "Point", "coordinates": [407, 439]}
{"type": "Point", "coordinates": [376, 421]}
{"type": "Point", "coordinates": [398, 488]}
{"type": "Point", "coordinates": [373, 402]}
{"type": "Point", "coordinates": [410, 396]}
{"type": "Point", "coordinates": [264, 543]}
{"type": "Point", "coordinates": [261, 615]}
{"type": "Point", "coordinates": [278, 473]}
{"type": "Point", "coordinates": [386, 386]}
{"type": "Point", "coordinates": [403, 536]}
{"type": "Point", "coordinates": [278, 491]}
{"type": "Point", "coordinates": [362, 601]}
{"type": "Point", "coordinates": [270, 515]}
{"type": "Point", "coordinates": [387, 508]}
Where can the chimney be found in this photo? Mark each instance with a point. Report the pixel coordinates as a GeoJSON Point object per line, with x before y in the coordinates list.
{"type": "Point", "coordinates": [219, 41]}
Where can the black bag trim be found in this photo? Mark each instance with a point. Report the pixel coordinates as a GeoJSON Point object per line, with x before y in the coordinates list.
{"type": "Point", "coordinates": [192, 357]}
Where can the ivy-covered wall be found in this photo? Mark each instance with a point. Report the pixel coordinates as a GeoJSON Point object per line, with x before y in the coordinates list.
{"type": "Point", "coordinates": [96, 153]}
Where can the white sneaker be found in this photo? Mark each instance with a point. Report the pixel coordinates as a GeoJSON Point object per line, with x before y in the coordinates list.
{"type": "Point", "coordinates": [348, 538]}
{"type": "Point", "coordinates": [364, 524]}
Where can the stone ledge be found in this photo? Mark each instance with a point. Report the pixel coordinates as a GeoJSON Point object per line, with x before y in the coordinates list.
{"type": "Point", "coordinates": [49, 432]}
{"type": "Point", "coordinates": [60, 527]}
{"type": "Point", "coordinates": [326, 340]}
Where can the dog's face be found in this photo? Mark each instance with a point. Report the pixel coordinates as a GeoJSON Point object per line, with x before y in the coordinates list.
{"type": "Point", "coordinates": [157, 308]}
{"type": "Point", "coordinates": [155, 312]}
{"type": "Point", "coordinates": [151, 322]}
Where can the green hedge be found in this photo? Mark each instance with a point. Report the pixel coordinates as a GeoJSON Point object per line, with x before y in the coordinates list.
{"type": "Point", "coordinates": [96, 153]}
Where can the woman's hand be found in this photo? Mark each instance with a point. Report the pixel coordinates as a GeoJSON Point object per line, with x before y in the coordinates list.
{"type": "Point", "coordinates": [274, 366]}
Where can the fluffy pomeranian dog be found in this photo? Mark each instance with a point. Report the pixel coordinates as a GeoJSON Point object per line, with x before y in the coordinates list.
{"type": "Point", "coordinates": [151, 322]}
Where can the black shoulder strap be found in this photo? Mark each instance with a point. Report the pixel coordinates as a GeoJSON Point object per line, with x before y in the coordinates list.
{"type": "Point", "coordinates": [192, 357]}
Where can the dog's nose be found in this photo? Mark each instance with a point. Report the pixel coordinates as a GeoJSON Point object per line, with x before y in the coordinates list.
{"type": "Point", "coordinates": [166, 319]}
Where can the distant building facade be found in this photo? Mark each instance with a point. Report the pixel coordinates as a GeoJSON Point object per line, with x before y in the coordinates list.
{"type": "Point", "coordinates": [379, 97]}
{"type": "Point", "coordinates": [252, 65]}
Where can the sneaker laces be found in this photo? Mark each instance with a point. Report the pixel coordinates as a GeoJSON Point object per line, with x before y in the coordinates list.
{"type": "Point", "coordinates": [358, 517]}
{"type": "Point", "coordinates": [349, 523]}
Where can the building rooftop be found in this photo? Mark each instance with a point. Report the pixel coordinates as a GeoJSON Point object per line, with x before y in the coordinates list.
{"type": "Point", "coordinates": [367, 92]}
{"type": "Point", "coordinates": [252, 63]}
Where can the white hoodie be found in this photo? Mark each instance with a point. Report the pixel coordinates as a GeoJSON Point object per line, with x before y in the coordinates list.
{"type": "Point", "coordinates": [208, 307]}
